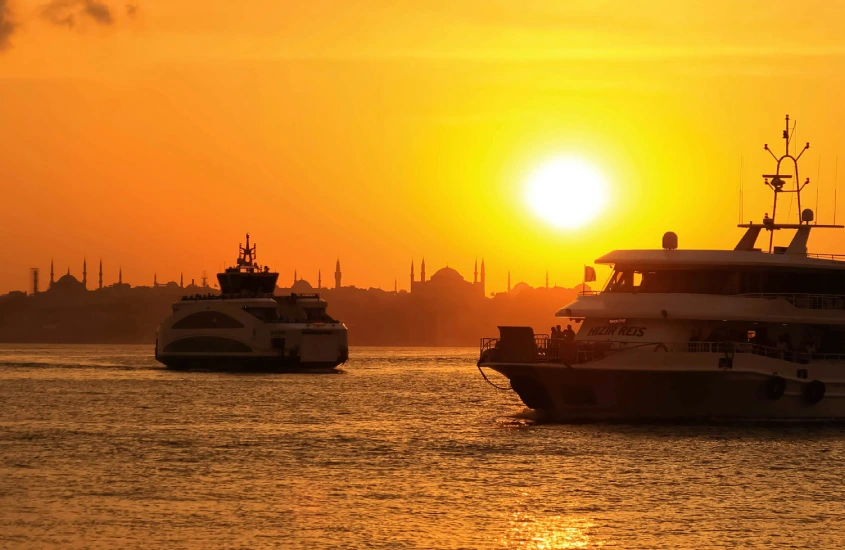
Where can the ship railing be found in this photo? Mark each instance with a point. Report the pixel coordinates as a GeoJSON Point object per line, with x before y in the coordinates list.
{"type": "Point", "coordinates": [835, 257]}
{"type": "Point", "coordinates": [830, 302]}
{"type": "Point", "coordinates": [196, 297]}
{"type": "Point", "coordinates": [553, 350]}
{"type": "Point", "coordinates": [488, 344]}
{"type": "Point", "coordinates": [805, 301]}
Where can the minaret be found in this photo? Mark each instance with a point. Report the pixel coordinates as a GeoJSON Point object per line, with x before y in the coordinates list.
{"type": "Point", "coordinates": [422, 271]}
{"type": "Point", "coordinates": [547, 278]}
{"type": "Point", "coordinates": [155, 280]}
{"type": "Point", "coordinates": [181, 280]}
{"type": "Point", "coordinates": [120, 276]}
{"type": "Point", "coordinates": [319, 279]}
{"type": "Point", "coordinates": [475, 273]}
{"type": "Point", "coordinates": [395, 285]}
{"type": "Point", "coordinates": [483, 278]}
{"type": "Point", "coordinates": [85, 273]}
{"type": "Point", "coordinates": [509, 281]}
{"type": "Point", "coordinates": [294, 276]}
{"type": "Point", "coordinates": [52, 279]}
{"type": "Point", "coordinates": [100, 279]}
{"type": "Point", "coordinates": [337, 274]}
{"type": "Point", "coordinates": [411, 289]}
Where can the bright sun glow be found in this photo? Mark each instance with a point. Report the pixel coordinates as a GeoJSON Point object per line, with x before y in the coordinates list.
{"type": "Point", "coordinates": [566, 192]}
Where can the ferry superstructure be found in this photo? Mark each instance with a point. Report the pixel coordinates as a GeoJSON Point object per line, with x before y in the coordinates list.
{"type": "Point", "coordinates": [248, 328]}
{"type": "Point", "coordinates": [677, 334]}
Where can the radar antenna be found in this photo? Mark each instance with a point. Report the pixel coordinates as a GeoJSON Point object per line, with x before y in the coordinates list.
{"type": "Point", "coordinates": [776, 181]}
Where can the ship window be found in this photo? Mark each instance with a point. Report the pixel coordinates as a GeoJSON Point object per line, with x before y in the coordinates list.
{"type": "Point", "coordinates": [206, 344]}
{"type": "Point", "coordinates": [207, 319]}
{"type": "Point", "coordinates": [638, 278]}
{"type": "Point", "coordinates": [317, 315]}
{"type": "Point", "coordinates": [266, 314]}
{"type": "Point", "coordinates": [739, 280]}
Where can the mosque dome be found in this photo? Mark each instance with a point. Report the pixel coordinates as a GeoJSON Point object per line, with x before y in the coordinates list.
{"type": "Point", "coordinates": [447, 275]}
{"type": "Point", "coordinates": [67, 282]}
{"type": "Point", "coordinates": [302, 286]}
{"type": "Point", "coordinates": [521, 287]}
{"type": "Point", "coordinates": [67, 279]}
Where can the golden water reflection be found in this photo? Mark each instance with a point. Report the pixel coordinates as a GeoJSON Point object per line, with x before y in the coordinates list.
{"type": "Point", "coordinates": [535, 532]}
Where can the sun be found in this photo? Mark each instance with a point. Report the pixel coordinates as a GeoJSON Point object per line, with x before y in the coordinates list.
{"type": "Point", "coordinates": [566, 192]}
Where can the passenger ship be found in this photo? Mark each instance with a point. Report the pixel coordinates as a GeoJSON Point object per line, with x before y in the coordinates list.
{"type": "Point", "coordinates": [248, 328]}
{"type": "Point", "coordinates": [696, 334]}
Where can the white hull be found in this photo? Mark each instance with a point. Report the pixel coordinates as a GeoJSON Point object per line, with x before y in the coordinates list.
{"type": "Point", "coordinates": [242, 341]}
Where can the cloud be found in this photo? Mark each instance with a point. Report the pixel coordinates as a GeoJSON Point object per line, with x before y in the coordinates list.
{"type": "Point", "coordinates": [7, 27]}
{"type": "Point", "coordinates": [131, 10]}
{"type": "Point", "coordinates": [99, 12]}
{"type": "Point", "coordinates": [64, 12]}
{"type": "Point", "coordinates": [59, 12]}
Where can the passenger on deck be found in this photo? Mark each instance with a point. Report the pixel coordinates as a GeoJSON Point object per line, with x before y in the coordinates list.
{"type": "Point", "coordinates": [554, 333]}
{"type": "Point", "coordinates": [568, 334]}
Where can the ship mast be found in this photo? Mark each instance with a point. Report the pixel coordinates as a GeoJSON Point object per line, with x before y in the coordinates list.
{"type": "Point", "coordinates": [776, 181]}
{"type": "Point", "coordinates": [247, 256]}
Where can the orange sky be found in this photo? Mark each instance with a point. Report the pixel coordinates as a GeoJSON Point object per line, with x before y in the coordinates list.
{"type": "Point", "coordinates": [382, 131]}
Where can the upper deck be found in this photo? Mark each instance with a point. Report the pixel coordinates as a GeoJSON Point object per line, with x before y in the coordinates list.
{"type": "Point", "coordinates": [690, 259]}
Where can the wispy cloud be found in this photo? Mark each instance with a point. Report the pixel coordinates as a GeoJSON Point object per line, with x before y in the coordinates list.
{"type": "Point", "coordinates": [99, 12]}
{"type": "Point", "coordinates": [7, 26]}
{"type": "Point", "coordinates": [64, 13]}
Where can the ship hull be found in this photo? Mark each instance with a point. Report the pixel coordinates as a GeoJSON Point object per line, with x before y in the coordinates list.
{"type": "Point", "coordinates": [222, 335]}
{"type": "Point", "coordinates": [246, 364]}
{"type": "Point", "coordinates": [683, 393]}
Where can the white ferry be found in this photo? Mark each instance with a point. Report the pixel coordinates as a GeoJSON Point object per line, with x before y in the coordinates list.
{"type": "Point", "coordinates": [696, 334]}
{"type": "Point", "coordinates": [248, 328]}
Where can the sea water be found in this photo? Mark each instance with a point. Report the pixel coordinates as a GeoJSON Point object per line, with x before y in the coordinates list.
{"type": "Point", "coordinates": [100, 447]}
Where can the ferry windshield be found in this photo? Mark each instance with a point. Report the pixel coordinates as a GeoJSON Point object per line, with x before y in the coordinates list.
{"type": "Point", "coordinates": [317, 315]}
{"type": "Point", "coordinates": [266, 314]}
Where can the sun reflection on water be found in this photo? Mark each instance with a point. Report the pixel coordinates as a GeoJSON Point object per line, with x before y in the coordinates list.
{"type": "Point", "coordinates": [531, 532]}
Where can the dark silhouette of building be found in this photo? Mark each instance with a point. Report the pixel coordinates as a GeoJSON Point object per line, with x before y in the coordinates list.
{"type": "Point", "coordinates": [34, 272]}
{"type": "Point", "coordinates": [448, 281]}
{"type": "Point", "coordinates": [443, 310]}
{"type": "Point", "coordinates": [337, 274]}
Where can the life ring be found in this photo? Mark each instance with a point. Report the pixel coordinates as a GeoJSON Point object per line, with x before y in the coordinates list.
{"type": "Point", "coordinates": [814, 392]}
{"type": "Point", "coordinates": [661, 347]}
{"type": "Point", "coordinates": [775, 387]}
